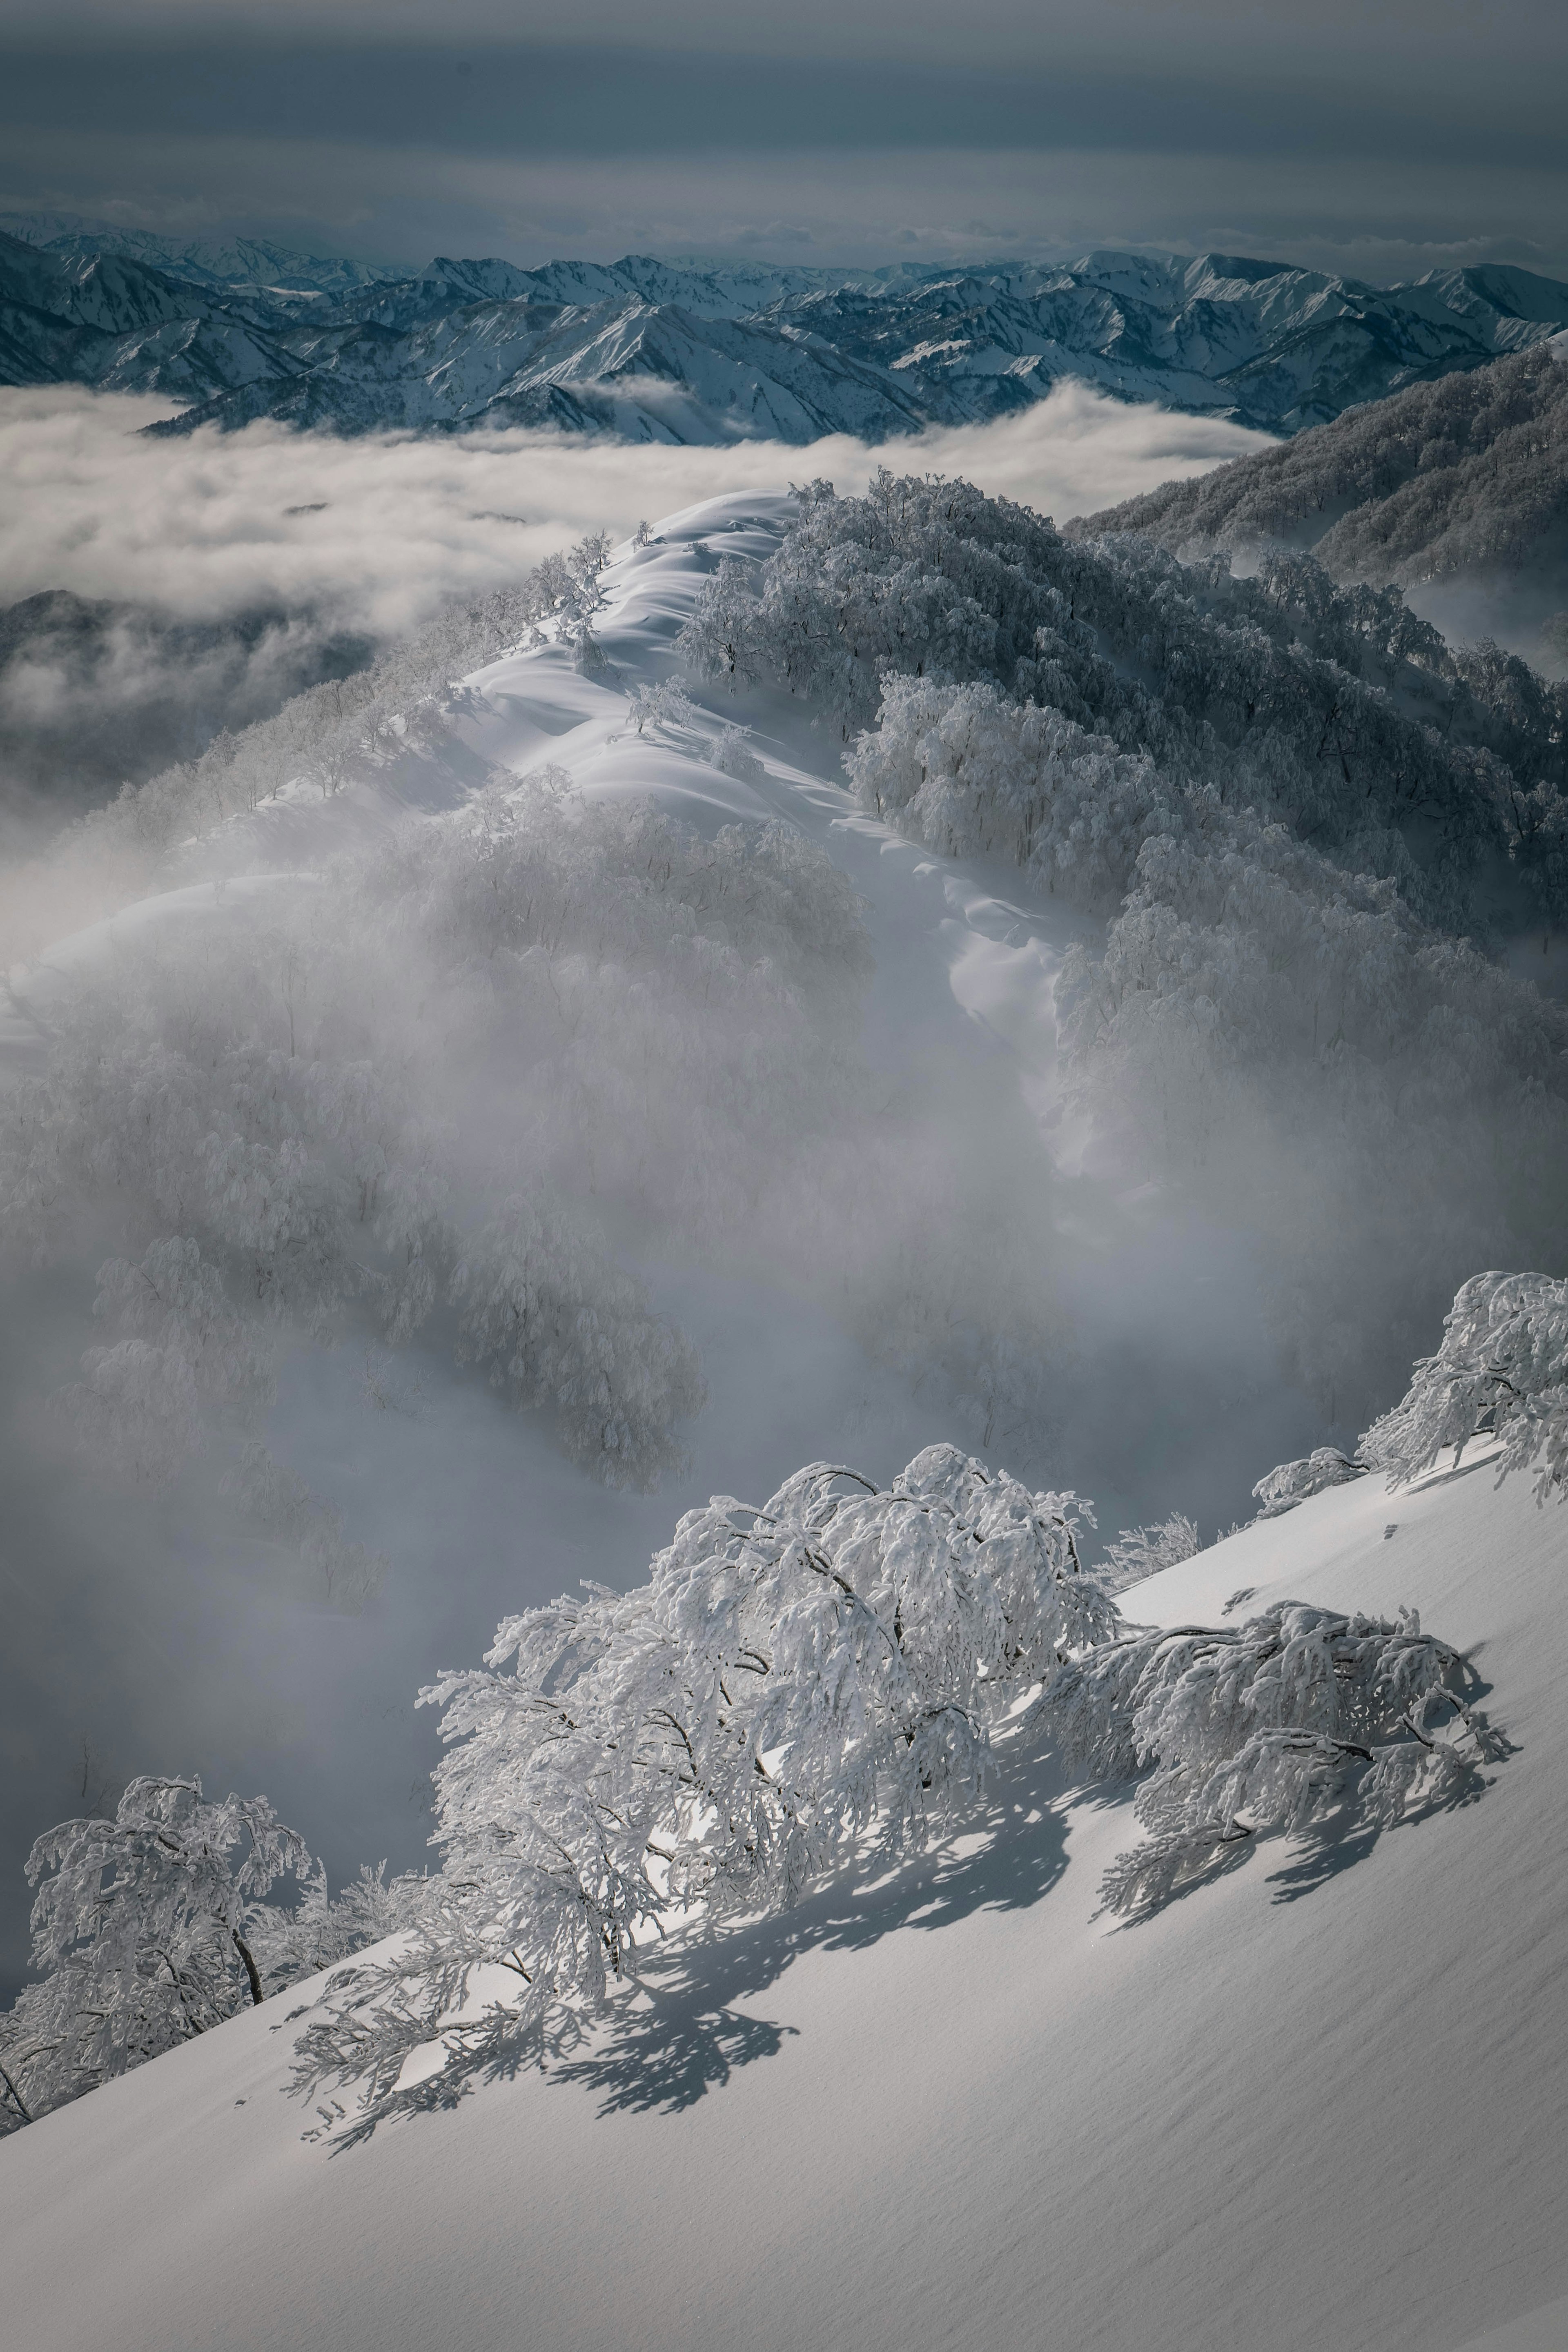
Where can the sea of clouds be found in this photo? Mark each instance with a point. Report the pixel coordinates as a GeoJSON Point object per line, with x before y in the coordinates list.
{"type": "Point", "coordinates": [375, 533]}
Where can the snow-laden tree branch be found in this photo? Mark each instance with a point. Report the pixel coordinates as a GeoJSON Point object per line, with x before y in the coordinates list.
{"type": "Point", "coordinates": [793, 1685]}
{"type": "Point", "coordinates": [1140, 1552]}
{"type": "Point", "coordinates": [1290, 1483]}
{"type": "Point", "coordinates": [1301, 1718]}
{"type": "Point", "coordinates": [1501, 1372]}
{"type": "Point", "coordinates": [146, 1928]}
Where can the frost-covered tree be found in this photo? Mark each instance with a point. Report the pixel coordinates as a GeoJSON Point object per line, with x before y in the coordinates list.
{"type": "Point", "coordinates": [1140, 1552]}
{"type": "Point", "coordinates": [1298, 1720]}
{"type": "Point", "coordinates": [727, 751]}
{"type": "Point", "coordinates": [143, 1930]}
{"type": "Point", "coordinates": [969, 772]}
{"type": "Point", "coordinates": [321, 1929]}
{"type": "Point", "coordinates": [1290, 1483]}
{"type": "Point", "coordinates": [792, 1685]}
{"type": "Point", "coordinates": [1330, 709]}
{"type": "Point", "coordinates": [163, 1920]}
{"type": "Point", "coordinates": [664, 705]}
{"type": "Point", "coordinates": [822, 1681]}
{"type": "Point", "coordinates": [1500, 1372]}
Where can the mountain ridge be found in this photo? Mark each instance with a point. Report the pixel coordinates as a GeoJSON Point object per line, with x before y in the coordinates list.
{"type": "Point", "coordinates": [687, 352]}
{"type": "Point", "coordinates": [1461, 481]}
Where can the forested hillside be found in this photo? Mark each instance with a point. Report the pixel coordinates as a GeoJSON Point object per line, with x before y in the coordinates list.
{"type": "Point", "coordinates": [1466, 475]}
{"type": "Point", "coordinates": [1312, 827]}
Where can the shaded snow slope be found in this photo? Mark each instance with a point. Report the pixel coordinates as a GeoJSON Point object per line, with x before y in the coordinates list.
{"type": "Point", "coordinates": [950, 2109]}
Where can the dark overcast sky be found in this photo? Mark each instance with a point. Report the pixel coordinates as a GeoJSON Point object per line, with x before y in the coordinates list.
{"type": "Point", "coordinates": [1382, 141]}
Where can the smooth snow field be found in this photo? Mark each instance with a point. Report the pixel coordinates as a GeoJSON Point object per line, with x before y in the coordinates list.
{"type": "Point", "coordinates": [1306, 2106]}
{"type": "Point", "coordinates": [950, 2110]}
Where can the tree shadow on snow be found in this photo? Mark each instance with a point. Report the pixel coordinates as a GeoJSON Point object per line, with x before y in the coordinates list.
{"type": "Point", "coordinates": [691, 2022]}
{"type": "Point", "coordinates": [1326, 1848]}
{"type": "Point", "coordinates": [1330, 1848]}
{"type": "Point", "coordinates": [686, 2029]}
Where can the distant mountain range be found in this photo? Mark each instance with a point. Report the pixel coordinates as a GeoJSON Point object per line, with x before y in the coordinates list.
{"type": "Point", "coordinates": [692, 352]}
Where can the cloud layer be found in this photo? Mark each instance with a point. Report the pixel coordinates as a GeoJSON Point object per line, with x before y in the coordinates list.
{"type": "Point", "coordinates": [1376, 142]}
{"type": "Point", "coordinates": [376, 533]}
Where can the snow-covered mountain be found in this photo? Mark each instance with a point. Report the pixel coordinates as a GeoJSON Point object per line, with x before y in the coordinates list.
{"type": "Point", "coordinates": [1459, 475]}
{"type": "Point", "coordinates": [1456, 490]}
{"type": "Point", "coordinates": [714, 353]}
{"type": "Point", "coordinates": [1319, 2099]}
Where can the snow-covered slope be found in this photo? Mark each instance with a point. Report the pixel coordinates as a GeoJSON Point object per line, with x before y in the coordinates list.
{"type": "Point", "coordinates": [950, 2110]}
{"type": "Point", "coordinates": [689, 351]}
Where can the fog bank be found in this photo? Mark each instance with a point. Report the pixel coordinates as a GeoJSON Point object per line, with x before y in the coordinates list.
{"type": "Point", "coordinates": [375, 533]}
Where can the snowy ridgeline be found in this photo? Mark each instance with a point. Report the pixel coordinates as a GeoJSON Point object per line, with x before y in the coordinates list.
{"type": "Point", "coordinates": [1310, 826]}
{"type": "Point", "coordinates": [796, 1687]}
{"type": "Point", "coordinates": [1302, 815]}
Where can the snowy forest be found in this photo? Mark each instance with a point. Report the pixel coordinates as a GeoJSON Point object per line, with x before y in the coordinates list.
{"type": "Point", "coordinates": [1331, 852]}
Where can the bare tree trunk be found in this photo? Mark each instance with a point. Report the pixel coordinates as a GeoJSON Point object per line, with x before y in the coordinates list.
{"type": "Point", "coordinates": [243, 1949]}
{"type": "Point", "coordinates": [16, 2096]}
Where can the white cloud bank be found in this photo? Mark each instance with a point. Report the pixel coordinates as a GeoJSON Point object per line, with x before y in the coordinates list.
{"type": "Point", "coordinates": [375, 533]}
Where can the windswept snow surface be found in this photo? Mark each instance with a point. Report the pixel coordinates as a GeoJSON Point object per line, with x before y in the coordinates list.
{"type": "Point", "coordinates": [1298, 2109]}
